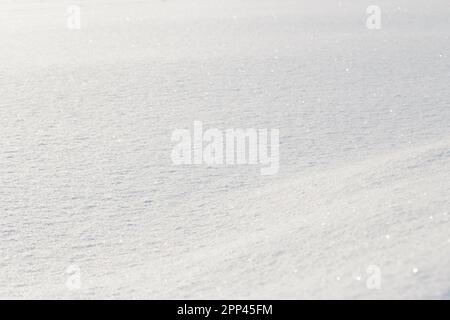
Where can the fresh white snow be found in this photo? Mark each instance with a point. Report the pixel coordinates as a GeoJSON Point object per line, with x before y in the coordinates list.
{"type": "Point", "coordinates": [87, 181]}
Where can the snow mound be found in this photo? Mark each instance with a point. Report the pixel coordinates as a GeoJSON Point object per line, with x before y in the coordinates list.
{"type": "Point", "coordinates": [319, 235]}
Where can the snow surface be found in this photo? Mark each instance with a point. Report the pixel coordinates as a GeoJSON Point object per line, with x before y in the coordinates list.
{"type": "Point", "coordinates": [86, 118]}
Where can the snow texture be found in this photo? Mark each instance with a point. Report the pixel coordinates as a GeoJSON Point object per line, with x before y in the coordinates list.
{"type": "Point", "coordinates": [86, 118]}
